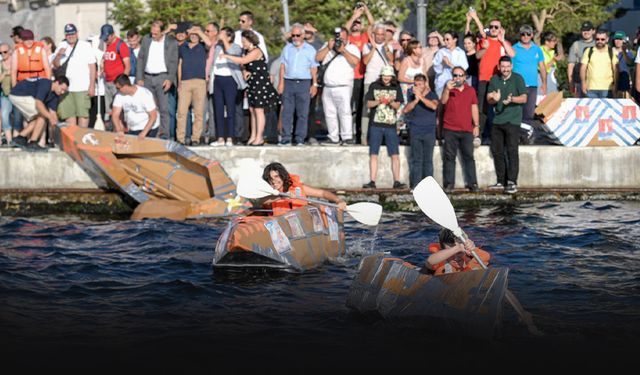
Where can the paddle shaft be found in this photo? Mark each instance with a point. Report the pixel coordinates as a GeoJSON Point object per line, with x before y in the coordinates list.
{"type": "Point", "coordinates": [318, 201]}
{"type": "Point", "coordinates": [511, 298]}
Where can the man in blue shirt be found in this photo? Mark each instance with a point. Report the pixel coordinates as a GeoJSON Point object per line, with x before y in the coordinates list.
{"type": "Point", "coordinates": [37, 101]}
{"type": "Point", "coordinates": [297, 85]}
{"type": "Point", "coordinates": [529, 62]}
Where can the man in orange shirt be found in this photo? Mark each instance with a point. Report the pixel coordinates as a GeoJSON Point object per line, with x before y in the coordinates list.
{"type": "Point", "coordinates": [491, 47]}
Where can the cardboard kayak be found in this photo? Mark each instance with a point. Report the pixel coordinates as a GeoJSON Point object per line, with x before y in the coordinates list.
{"type": "Point", "coordinates": [297, 240]}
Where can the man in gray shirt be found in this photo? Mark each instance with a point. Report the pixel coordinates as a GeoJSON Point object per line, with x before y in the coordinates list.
{"type": "Point", "coordinates": [575, 56]}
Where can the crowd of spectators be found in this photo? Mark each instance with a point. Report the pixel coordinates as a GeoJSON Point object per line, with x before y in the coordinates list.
{"type": "Point", "coordinates": [368, 84]}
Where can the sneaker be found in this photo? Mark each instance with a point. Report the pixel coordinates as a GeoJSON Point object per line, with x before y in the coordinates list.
{"type": "Point", "coordinates": [511, 188]}
{"type": "Point", "coordinates": [331, 143]}
{"type": "Point", "coordinates": [229, 143]}
{"type": "Point", "coordinates": [216, 144]}
{"type": "Point", "coordinates": [496, 186]}
{"type": "Point", "coordinates": [399, 185]}
{"type": "Point", "coordinates": [35, 147]}
{"type": "Point", "coordinates": [348, 142]}
{"type": "Point", "coordinates": [300, 144]}
{"type": "Point", "coordinates": [370, 185]}
{"type": "Point", "coordinates": [19, 141]}
{"type": "Point", "coordinates": [448, 189]}
{"type": "Point", "coordinates": [313, 141]}
{"type": "Point", "coordinates": [473, 188]}
{"type": "Point", "coordinates": [284, 144]}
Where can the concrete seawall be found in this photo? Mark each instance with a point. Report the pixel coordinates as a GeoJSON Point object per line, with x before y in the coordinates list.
{"type": "Point", "coordinates": [541, 167]}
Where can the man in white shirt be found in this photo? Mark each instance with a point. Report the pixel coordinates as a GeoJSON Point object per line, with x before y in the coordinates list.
{"type": "Point", "coordinates": [81, 72]}
{"type": "Point", "coordinates": [139, 107]}
{"type": "Point", "coordinates": [246, 23]}
{"type": "Point", "coordinates": [338, 85]}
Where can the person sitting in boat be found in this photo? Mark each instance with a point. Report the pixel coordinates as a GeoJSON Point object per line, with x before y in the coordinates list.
{"type": "Point", "coordinates": [278, 177]}
{"type": "Point", "coordinates": [450, 256]}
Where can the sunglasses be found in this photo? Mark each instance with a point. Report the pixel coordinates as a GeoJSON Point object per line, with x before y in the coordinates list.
{"type": "Point", "coordinates": [391, 31]}
{"type": "Point", "coordinates": [405, 40]}
{"type": "Point", "coordinates": [4, 52]}
{"type": "Point", "coordinates": [601, 39]}
{"type": "Point", "coordinates": [296, 35]}
{"type": "Point", "coordinates": [308, 32]}
{"type": "Point", "coordinates": [494, 26]}
{"type": "Point", "coordinates": [525, 34]}
{"type": "Point", "coordinates": [458, 75]}
{"type": "Point", "coordinates": [242, 21]}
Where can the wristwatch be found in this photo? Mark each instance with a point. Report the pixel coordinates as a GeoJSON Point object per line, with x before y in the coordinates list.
{"type": "Point", "coordinates": [316, 85]}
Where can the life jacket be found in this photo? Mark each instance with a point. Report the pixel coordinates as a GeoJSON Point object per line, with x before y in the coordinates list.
{"type": "Point", "coordinates": [30, 64]}
{"type": "Point", "coordinates": [283, 205]}
{"type": "Point", "coordinates": [449, 267]}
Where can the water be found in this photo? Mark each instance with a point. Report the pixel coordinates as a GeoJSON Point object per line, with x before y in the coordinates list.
{"type": "Point", "coordinates": [98, 293]}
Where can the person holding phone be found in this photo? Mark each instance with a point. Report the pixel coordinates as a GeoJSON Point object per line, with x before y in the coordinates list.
{"type": "Point", "coordinates": [460, 125]}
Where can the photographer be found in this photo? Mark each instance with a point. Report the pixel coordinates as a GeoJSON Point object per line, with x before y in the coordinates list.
{"type": "Point", "coordinates": [339, 59]}
{"type": "Point", "coordinates": [625, 62]}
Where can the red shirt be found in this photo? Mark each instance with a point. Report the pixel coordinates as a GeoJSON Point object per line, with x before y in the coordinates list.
{"type": "Point", "coordinates": [360, 42]}
{"type": "Point", "coordinates": [489, 62]}
{"type": "Point", "coordinates": [457, 111]}
{"type": "Point", "coordinates": [113, 64]}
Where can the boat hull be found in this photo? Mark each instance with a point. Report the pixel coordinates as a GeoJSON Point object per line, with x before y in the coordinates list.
{"type": "Point", "coordinates": [465, 302]}
{"type": "Point", "coordinates": [297, 241]}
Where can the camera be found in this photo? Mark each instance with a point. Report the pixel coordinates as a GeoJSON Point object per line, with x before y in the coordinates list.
{"type": "Point", "coordinates": [359, 5]}
{"type": "Point", "coordinates": [338, 39]}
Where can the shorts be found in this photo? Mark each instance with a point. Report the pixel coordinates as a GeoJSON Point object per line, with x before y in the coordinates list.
{"type": "Point", "coordinates": [74, 104]}
{"type": "Point", "coordinates": [377, 134]}
{"type": "Point", "coordinates": [26, 105]}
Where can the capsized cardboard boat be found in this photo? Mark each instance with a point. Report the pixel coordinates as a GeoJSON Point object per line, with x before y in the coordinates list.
{"type": "Point", "coordinates": [166, 178]}
{"type": "Point", "coordinates": [296, 241]}
{"type": "Point", "coordinates": [464, 302]}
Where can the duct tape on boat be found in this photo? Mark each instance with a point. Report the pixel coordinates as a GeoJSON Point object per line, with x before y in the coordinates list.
{"type": "Point", "coordinates": [90, 138]}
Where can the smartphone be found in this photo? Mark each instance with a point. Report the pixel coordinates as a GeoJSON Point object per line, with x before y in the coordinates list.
{"type": "Point", "coordinates": [458, 83]}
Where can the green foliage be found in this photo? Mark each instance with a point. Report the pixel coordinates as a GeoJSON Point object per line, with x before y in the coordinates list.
{"type": "Point", "coordinates": [268, 14]}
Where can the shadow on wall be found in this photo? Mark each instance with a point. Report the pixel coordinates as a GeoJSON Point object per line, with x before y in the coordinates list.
{"type": "Point", "coordinates": [40, 21]}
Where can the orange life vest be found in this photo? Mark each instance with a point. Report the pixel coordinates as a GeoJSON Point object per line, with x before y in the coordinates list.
{"type": "Point", "coordinates": [30, 64]}
{"type": "Point", "coordinates": [283, 205]}
{"type": "Point", "coordinates": [470, 263]}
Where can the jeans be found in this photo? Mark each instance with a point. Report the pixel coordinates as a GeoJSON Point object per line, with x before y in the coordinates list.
{"type": "Point", "coordinates": [529, 109]}
{"type": "Point", "coordinates": [454, 141]}
{"type": "Point", "coordinates": [5, 107]}
{"type": "Point", "coordinates": [598, 94]}
{"type": "Point", "coordinates": [421, 157]}
{"type": "Point", "coordinates": [505, 135]}
{"type": "Point", "coordinates": [225, 91]}
{"type": "Point", "coordinates": [295, 99]}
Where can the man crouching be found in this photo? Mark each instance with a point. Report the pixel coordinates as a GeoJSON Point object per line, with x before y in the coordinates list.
{"type": "Point", "coordinates": [139, 108]}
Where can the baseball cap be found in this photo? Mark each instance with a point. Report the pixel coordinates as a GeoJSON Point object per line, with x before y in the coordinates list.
{"type": "Point", "coordinates": [26, 34]}
{"type": "Point", "coordinates": [105, 31]}
{"type": "Point", "coordinates": [387, 70]}
{"type": "Point", "coordinates": [70, 29]}
{"type": "Point", "coordinates": [619, 35]}
{"type": "Point", "coordinates": [526, 29]}
{"type": "Point", "coordinates": [587, 25]}
{"type": "Point", "coordinates": [182, 27]}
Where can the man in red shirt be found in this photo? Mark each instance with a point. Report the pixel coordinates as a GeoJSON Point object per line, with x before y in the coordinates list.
{"type": "Point", "coordinates": [460, 126]}
{"type": "Point", "coordinates": [359, 38]}
{"type": "Point", "coordinates": [491, 47]}
{"type": "Point", "coordinates": [115, 61]}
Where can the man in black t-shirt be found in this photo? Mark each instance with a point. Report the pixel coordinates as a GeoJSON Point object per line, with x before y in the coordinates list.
{"type": "Point", "coordinates": [37, 101]}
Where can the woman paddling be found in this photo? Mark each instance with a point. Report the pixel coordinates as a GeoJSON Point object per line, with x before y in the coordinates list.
{"type": "Point", "coordinates": [278, 177]}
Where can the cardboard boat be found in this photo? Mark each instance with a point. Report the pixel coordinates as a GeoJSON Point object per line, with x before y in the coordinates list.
{"type": "Point", "coordinates": [296, 241]}
{"type": "Point", "coordinates": [464, 302]}
{"type": "Point", "coordinates": [166, 178]}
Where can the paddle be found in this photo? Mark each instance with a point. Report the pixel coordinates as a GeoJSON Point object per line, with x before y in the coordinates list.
{"type": "Point", "coordinates": [436, 205]}
{"type": "Point", "coordinates": [254, 188]}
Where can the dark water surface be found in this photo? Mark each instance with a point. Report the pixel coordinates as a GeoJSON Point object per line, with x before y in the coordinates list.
{"type": "Point", "coordinates": [76, 292]}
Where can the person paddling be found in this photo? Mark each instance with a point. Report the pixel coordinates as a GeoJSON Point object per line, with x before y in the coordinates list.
{"type": "Point", "coordinates": [450, 256]}
{"type": "Point", "coordinates": [281, 180]}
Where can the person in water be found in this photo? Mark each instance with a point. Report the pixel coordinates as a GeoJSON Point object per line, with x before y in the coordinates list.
{"type": "Point", "coordinates": [450, 256]}
{"type": "Point", "coordinates": [279, 179]}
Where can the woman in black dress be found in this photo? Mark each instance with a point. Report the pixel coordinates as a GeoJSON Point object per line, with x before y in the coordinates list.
{"type": "Point", "coordinates": [260, 92]}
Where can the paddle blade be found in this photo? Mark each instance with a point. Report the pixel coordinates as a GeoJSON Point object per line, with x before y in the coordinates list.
{"type": "Point", "coordinates": [252, 187]}
{"type": "Point", "coordinates": [435, 204]}
{"type": "Point", "coordinates": [365, 212]}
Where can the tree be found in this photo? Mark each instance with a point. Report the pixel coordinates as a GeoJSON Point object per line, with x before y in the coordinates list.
{"type": "Point", "coordinates": [268, 14]}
